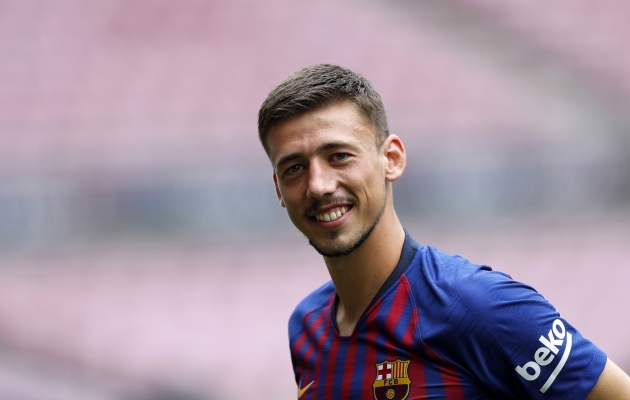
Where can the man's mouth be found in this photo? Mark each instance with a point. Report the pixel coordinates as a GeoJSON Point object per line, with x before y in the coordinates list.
{"type": "Point", "coordinates": [331, 215]}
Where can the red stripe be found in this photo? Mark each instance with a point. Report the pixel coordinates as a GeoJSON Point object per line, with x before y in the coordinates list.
{"type": "Point", "coordinates": [369, 372]}
{"type": "Point", "coordinates": [453, 389]}
{"type": "Point", "coordinates": [393, 316]}
{"type": "Point", "coordinates": [407, 339]}
{"type": "Point", "coordinates": [310, 331]}
{"type": "Point", "coordinates": [399, 303]}
{"type": "Point", "coordinates": [296, 347]}
{"type": "Point", "coordinates": [330, 367]}
{"type": "Point", "coordinates": [416, 367]}
{"type": "Point", "coordinates": [321, 341]}
{"type": "Point", "coordinates": [417, 377]}
{"type": "Point", "coordinates": [398, 306]}
{"type": "Point", "coordinates": [415, 370]}
{"type": "Point", "coordinates": [348, 369]}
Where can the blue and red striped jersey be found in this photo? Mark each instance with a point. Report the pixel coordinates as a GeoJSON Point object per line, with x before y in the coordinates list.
{"type": "Point", "coordinates": [441, 328]}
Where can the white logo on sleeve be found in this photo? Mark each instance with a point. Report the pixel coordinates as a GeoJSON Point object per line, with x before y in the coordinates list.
{"type": "Point", "coordinates": [545, 355]}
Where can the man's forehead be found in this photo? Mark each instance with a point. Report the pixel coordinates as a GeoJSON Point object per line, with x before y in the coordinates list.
{"type": "Point", "coordinates": [339, 123]}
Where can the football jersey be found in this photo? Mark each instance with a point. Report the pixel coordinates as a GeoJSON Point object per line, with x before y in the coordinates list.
{"type": "Point", "coordinates": [441, 327]}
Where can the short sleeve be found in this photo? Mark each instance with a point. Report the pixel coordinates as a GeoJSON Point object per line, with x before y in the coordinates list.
{"type": "Point", "coordinates": [517, 344]}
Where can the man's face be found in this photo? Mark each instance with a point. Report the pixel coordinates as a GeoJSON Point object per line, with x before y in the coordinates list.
{"type": "Point", "coordinates": [330, 176]}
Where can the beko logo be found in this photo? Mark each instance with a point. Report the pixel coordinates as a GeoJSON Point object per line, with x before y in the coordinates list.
{"type": "Point", "coordinates": [545, 355]}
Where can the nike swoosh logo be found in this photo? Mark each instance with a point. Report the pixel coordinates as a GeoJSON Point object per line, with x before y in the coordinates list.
{"type": "Point", "coordinates": [304, 389]}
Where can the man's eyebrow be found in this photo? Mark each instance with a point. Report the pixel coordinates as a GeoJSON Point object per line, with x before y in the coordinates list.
{"type": "Point", "coordinates": [331, 145]}
{"type": "Point", "coordinates": [326, 146]}
{"type": "Point", "coordinates": [288, 157]}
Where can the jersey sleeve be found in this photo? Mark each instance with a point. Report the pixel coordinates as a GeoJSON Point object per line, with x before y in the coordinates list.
{"type": "Point", "coordinates": [508, 337]}
{"type": "Point", "coordinates": [533, 346]}
{"type": "Point", "coordinates": [307, 315]}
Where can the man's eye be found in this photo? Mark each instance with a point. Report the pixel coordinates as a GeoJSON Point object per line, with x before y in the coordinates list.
{"type": "Point", "coordinates": [294, 169]}
{"type": "Point", "coordinates": [340, 156]}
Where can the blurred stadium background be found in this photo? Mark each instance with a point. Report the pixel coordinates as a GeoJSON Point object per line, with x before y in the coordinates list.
{"type": "Point", "coordinates": [142, 252]}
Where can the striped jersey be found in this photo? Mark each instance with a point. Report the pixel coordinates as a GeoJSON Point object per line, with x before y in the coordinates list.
{"type": "Point", "coordinates": [441, 328]}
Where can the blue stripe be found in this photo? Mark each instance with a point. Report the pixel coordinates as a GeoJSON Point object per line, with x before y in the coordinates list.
{"type": "Point", "coordinates": [359, 366]}
{"type": "Point", "coordinates": [310, 342]}
{"type": "Point", "coordinates": [324, 351]}
{"type": "Point", "coordinates": [405, 320]}
{"type": "Point", "coordinates": [340, 369]}
{"type": "Point", "coordinates": [433, 378]}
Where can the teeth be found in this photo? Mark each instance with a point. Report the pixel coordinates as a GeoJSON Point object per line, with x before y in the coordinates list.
{"type": "Point", "coordinates": [332, 214]}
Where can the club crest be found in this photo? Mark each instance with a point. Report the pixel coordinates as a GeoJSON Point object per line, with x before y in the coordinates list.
{"type": "Point", "coordinates": [392, 380]}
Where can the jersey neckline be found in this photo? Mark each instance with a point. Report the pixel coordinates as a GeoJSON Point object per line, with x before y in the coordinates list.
{"type": "Point", "coordinates": [408, 253]}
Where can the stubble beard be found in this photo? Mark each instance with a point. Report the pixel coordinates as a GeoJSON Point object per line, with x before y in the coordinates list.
{"type": "Point", "coordinates": [339, 249]}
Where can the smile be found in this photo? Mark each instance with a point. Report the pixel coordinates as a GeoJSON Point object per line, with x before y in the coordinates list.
{"type": "Point", "coordinates": [332, 215]}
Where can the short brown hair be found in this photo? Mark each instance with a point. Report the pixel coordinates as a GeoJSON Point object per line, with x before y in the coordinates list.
{"type": "Point", "coordinates": [318, 86]}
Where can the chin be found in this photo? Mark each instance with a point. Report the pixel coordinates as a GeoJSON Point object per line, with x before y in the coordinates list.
{"type": "Point", "coordinates": [339, 248]}
{"type": "Point", "coordinates": [332, 251]}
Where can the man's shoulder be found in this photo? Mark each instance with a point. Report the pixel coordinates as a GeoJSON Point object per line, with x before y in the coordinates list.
{"type": "Point", "coordinates": [460, 286]}
{"type": "Point", "coordinates": [450, 272]}
{"type": "Point", "coordinates": [316, 299]}
{"type": "Point", "coordinates": [314, 302]}
{"type": "Point", "coordinates": [501, 330]}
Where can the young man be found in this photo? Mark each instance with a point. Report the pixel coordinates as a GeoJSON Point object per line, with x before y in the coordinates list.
{"type": "Point", "coordinates": [400, 320]}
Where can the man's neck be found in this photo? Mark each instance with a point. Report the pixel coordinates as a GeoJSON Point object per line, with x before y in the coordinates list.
{"type": "Point", "coordinates": [359, 275]}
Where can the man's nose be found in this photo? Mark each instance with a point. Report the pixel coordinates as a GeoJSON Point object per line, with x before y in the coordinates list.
{"type": "Point", "coordinates": [321, 181]}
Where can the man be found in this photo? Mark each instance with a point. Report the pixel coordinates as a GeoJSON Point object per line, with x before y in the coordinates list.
{"type": "Point", "coordinates": [400, 320]}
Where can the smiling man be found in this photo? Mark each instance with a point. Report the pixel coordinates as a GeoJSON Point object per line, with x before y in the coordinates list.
{"type": "Point", "coordinates": [400, 320]}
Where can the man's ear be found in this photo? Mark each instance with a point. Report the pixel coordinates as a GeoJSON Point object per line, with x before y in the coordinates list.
{"type": "Point", "coordinates": [394, 151]}
{"type": "Point", "coordinates": [275, 182]}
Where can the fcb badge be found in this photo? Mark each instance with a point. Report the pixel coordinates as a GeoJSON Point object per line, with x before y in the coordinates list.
{"type": "Point", "coordinates": [392, 380]}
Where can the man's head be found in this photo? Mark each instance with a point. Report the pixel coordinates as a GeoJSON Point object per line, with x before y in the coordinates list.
{"type": "Point", "coordinates": [332, 164]}
{"type": "Point", "coordinates": [316, 87]}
